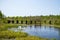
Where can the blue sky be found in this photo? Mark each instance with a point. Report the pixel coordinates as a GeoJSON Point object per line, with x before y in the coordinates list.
{"type": "Point", "coordinates": [30, 7]}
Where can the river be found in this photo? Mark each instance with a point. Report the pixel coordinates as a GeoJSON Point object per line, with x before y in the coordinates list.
{"type": "Point", "coordinates": [40, 31]}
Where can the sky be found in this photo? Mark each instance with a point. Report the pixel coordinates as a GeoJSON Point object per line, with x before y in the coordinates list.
{"type": "Point", "coordinates": [30, 7]}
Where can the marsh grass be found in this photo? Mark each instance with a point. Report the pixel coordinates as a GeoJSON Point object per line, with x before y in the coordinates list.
{"type": "Point", "coordinates": [12, 34]}
{"type": "Point", "coordinates": [18, 36]}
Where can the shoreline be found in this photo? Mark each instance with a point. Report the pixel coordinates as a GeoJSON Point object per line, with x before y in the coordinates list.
{"type": "Point", "coordinates": [58, 26]}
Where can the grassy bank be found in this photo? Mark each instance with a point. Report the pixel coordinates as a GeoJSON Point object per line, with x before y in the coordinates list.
{"type": "Point", "coordinates": [16, 25]}
{"type": "Point", "coordinates": [18, 36]}
{"type": "Point", "coordinates": [6, 26]}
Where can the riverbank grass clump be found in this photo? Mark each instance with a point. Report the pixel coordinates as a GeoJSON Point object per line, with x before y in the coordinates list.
{"type": "Point", "coordinates": [12, 34]}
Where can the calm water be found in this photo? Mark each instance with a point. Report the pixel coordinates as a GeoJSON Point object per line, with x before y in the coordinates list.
{"type": "Point", "coordinates": [41, 31]}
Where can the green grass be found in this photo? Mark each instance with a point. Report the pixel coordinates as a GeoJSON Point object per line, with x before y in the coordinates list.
{"type": "Point", "coordinates": [31, 38]}
{"type": "Point", "coordinates": [6, 26]}
{"type": "Point", "coordinates": [18, 36]}
{"type": "Point", "coordinates": [12, 34]}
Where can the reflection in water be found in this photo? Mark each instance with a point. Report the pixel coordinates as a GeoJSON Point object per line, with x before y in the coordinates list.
{"type": "Point", "coordinates": [30, 26]}
{"type": "Point", "coordinates": [41, 31]}
{"type": "Point", "coordinates": [58, 31]}
{"type": "Point", "coordinates": [50, 26]}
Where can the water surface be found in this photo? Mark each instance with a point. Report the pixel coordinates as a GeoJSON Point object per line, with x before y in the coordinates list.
{"type": "Point", "coordinates": [41, 31]}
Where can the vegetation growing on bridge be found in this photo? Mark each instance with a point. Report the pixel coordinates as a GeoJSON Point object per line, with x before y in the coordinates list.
{"type": "Point", "coordinates": [41, 20]}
